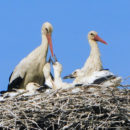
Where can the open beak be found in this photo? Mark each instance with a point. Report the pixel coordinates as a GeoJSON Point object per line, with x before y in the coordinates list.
{"type": "Point", "coordinates": [50, 43]}
{"type": "Point", "coordinates": [55, 58]}
{"type": "Point", "coordinates": [50, 60]}
{"type": "Point", "coordinates": [97, 38]}
{"type": "Point", "coordinates": [69, 77]}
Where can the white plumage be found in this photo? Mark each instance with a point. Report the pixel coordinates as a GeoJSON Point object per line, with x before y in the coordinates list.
{"type": "Point", "coordinates": [30, 68]}
{"type": "Point", "coordinates": [58, 83]}
{"type": "Point", "coordinates": [47, 73]}
{"type": "Point", "coordinates": [92, 71]}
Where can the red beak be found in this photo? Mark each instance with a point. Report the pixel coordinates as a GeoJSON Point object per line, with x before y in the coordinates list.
{"type": "Point", "coordinates": [97, 38]}
{"type": "Point", "coordinates": [50, 43]}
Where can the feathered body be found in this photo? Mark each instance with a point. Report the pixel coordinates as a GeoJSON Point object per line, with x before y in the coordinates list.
{"type": "Point", "coordinates": [30, 68]}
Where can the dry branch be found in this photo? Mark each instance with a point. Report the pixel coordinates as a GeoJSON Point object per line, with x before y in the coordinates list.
{"type": "Point", "coordinates": [68, 110]}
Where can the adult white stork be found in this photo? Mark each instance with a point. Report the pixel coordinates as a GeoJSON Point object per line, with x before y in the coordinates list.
{"type": "Point", "coordinates": [93, 63]}
{"type": "Point", "coordinates": [92, 71]}
{"type": "Point", "coordinates": [30, 68]}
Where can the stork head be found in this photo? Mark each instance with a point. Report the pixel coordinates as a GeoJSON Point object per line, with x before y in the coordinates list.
{"type": "Point", "coordinates": [92, 35]}
{"type": "Point", "coordinates": [32, 87]}
{"type": "Point", "coordinates": [74, 74]}
{"type": "Point", "coordinates": [47, 30]}
{"type": "Point", "coordinates": [57, 66]}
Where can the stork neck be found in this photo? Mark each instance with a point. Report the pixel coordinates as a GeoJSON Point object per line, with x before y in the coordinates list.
{"type": "Point", "coordinates": [93, 62]}
{"type": "Point", "coordinates": [95, 53]}
{"type": "Point", "coordinates": [57, 74]}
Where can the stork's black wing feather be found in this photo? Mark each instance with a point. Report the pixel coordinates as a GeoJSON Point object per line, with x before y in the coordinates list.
{"type": "Point", "coordinates": [102, 79]}
{"type": "Point", "coordinates": [43, 88]}
{"type": "Point", "coordinates": [15, 83]}
{"type": "Point", "coordinates": [77, 85]}
{"type": "Point", "coordinates": [2, 92]}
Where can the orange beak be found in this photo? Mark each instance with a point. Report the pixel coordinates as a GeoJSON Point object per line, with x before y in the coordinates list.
{"type": "Point", "coordinates": [50, 43]}
{"type": "Point", "coordinates": [97, 38]}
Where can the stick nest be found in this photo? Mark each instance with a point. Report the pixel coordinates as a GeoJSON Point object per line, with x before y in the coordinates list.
{"type": "Point", "coordinates": [71, 109]}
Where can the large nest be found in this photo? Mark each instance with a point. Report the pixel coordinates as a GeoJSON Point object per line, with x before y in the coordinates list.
{"type": "Point", "coordinates": [68, 109]}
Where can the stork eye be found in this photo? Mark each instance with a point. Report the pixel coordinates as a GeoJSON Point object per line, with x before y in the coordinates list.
{"type": "Point", "coordinates": [47, 30]}
{"type": "Point", "coordinates": [92, 34]}
{"type": "Point", "coordinates": [75, 72]}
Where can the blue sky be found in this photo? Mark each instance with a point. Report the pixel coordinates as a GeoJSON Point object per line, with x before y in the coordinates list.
{"type": "Point", "coordinates": [20, 32]}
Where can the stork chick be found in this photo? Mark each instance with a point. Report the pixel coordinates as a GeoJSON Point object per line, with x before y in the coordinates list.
{"type": "Point", "coordinates": [32, 87]}
{"type": "Point", "coordinates": [48, 76]}
{"type": "Point", "coordinates": [57, 76]}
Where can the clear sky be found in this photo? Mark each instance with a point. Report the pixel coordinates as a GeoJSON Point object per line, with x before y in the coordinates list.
{"type": "Point", "coordinates": [20, 32]}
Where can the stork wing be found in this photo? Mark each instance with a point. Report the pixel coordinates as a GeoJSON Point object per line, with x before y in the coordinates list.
{"type": "Point", "coordinates": [15, 83]}
{"type": "Point", "coordinates": [16, 77]}
{"type": "Point", "coordinates": [103, 79]}
{"type": "Point", "coordinates": [102, 76]}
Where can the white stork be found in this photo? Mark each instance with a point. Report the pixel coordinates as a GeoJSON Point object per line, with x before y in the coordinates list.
{"type": "Point", "coordinates": [58, 83]}
{"type": "Point", "coordinates": [47, 74]}
{"type": "Point", "coordinates": [93, 63]}
{"type": "Point", "coordinates": [30, 68]}
{"type": "Point", "coordinates": [92, 71]}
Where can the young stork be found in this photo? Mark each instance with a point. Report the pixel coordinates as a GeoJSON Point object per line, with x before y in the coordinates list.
{"type": "Point", "coordinates": [92, 71]}
{"type": "Point", "coordinates": [58, 83]}
{"type": "Point", "coordinates": [47, 74]}
{"type": "Point", "coordinates": [30, 68]}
